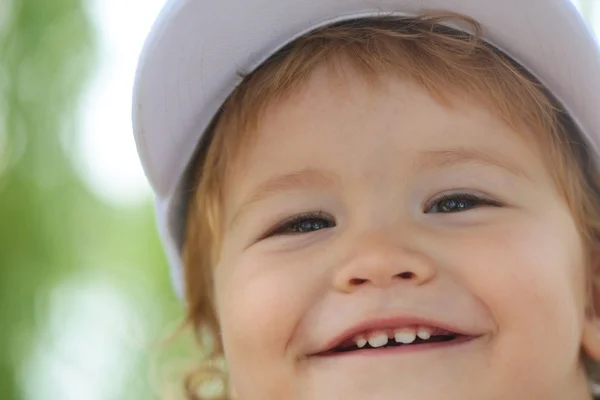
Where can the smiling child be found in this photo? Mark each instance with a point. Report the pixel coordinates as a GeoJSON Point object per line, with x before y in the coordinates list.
{"type": "Point", "coordinates": [380, 199]}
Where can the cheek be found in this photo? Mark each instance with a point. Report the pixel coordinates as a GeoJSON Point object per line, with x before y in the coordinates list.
{"type": "Point", "coordinates": [260, 300]}
{"type": "Point", "coordinates": [530, 275]}
{"type": "Point", "coordinates": [537, 269]}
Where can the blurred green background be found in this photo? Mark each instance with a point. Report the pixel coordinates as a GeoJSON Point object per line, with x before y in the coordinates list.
{"type": "Point", "coordinates": [85, 296]}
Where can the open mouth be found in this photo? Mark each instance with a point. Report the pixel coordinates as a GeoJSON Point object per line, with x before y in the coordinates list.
{"type": "Point", "coordinates": [385, 339]}
{"type": "Point", "coordinates": [393, 343]}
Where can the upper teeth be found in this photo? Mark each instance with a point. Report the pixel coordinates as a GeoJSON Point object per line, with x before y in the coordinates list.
{"type": "Point", "coordinates": [404, 335]}
{"type": "Point", "coordinates": [378, 339]}
{"type": "Point", "coordinates": [424, 332]}
{"type": "Point", "coordinates": [360, 341]}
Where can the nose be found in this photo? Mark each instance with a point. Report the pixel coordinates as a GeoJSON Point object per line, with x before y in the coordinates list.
{"type": "Point", "coordinates": [379, 261]}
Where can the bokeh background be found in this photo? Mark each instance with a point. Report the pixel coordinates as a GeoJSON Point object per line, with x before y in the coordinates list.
{"type": "Point", "coordinates": [85, 297]}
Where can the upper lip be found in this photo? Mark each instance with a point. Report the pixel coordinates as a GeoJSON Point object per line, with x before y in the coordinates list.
{"type": "Point", "coordinates": [390, 323]}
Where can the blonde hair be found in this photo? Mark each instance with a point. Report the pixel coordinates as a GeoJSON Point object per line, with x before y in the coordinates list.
{"type": "Point", "coordinates": [420, 49]}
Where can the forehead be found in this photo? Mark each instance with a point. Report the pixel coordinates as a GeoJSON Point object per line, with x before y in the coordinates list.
{"type": "Point", "coordinates": [332, 117]}
{"type": "Point", "coordinates": [342, 124]}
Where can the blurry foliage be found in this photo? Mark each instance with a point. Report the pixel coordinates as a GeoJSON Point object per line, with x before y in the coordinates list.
{"type": "Point", "coordinates": [52, 230]}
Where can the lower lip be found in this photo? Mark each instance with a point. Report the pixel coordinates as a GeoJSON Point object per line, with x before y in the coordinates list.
{"type": "Point", "coordinates": [384, 351]}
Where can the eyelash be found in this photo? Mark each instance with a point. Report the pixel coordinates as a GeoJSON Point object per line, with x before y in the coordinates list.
{"type": "Point", "coordinates": [462, 197]}
{"type": "Point", "coordinates": [284, 227]}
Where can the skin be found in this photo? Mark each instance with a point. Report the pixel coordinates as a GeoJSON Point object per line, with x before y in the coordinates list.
{"type": "Point", "coordinates": [511, 273]}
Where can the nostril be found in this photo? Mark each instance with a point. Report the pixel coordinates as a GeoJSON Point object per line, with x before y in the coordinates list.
{"type": "Point", "coordinates": [406, 275]}
{"type": "Point", "coordinates": [357, 281]}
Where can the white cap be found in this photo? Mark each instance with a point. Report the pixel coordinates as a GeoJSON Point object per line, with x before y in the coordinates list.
{"type": "Point", "coordinates": [191, 59]}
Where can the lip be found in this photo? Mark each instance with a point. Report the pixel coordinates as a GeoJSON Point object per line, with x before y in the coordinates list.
{"type": "Point", "coordinates": [394, 323]}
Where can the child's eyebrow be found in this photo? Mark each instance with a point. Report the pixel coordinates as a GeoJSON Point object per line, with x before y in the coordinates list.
{"type": "Point", "coordinates": [310, 178]}
{"type": "Point", "coordinates": [447, 157]}
{"type": "Point", "coordinates": [307, 178]}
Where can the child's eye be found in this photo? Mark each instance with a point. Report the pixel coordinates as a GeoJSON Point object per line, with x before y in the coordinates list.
{"type": "Point", "coordinates": [304, 223]}
{"type": "Point", "coordinates": [456, 202]}
{"type": "Point", "coordinates": [314, 221]}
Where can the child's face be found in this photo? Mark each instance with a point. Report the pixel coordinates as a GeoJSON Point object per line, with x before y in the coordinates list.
{"type": "Point", "coordinates": [379, 251]}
